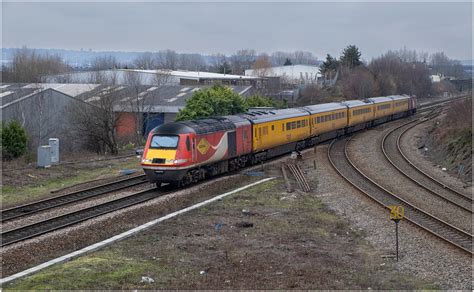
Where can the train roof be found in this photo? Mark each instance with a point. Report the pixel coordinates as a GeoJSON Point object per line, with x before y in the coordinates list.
{"type": "Point", "coordinates": [238, 120]}
{"type": "Point", "coordinates": [262, 116]}
{"type": "Point", "coordinates": [202, 126]}
{"type": "Point", "coordinates": [356, 103]}
{"type": "Point", "coordinates": [380, 99]}
{"type": "Point", "coordinates": [399, 97]}
{"type": "Point", "coordinates": [324, 107]}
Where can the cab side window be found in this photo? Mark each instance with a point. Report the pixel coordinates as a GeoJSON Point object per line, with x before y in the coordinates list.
{"type": "Point", "coordinates": [188, 144]}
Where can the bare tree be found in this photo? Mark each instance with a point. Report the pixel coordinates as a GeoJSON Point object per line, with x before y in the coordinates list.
{"type": "Point", "coordinates": [167, 59]}
{"type": "Point", "coordinates": [191, 62]}
{"type": "Point", "coordinates": [242, 60]}
{"type": "Point", "coordinates": [359, 84]}
{"type": "Point", "coordinates": [96, 121]}
{"type": "Point", "coordinates": [146, 61]}
{"type": "Point", "coordinates": [28, 66]}
{"type": "Point", "coordinates": [262, 66]}
{"type": "Point", "coordinates": [162, 77]}
{"type": "Point", "coordinates": [104, 63]}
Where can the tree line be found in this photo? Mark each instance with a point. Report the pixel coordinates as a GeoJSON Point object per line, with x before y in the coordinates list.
{"type": "Point", "coordinates": [395, 72]}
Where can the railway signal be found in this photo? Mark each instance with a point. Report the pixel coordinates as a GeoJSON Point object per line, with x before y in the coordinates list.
{"type": "Point", "coordinates": [397, 213]}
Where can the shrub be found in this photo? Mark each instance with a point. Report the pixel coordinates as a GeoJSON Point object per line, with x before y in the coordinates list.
{"type": "Point", "coordinates": [13, 140]}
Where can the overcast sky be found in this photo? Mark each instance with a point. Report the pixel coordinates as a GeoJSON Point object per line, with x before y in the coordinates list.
{"type": "Point", "coordinates": [226, 27]}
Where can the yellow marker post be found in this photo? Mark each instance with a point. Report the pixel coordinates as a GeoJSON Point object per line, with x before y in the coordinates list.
{"type": "Point", "coordinates": [397, 213]}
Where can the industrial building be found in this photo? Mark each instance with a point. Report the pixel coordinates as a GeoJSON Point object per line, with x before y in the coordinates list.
{"type": "Point", "coordinates": [44, 110]}
{"type": "Point", "coordinates": [292, 74]}
{"type": "Point", "coordinates": [157, 77]}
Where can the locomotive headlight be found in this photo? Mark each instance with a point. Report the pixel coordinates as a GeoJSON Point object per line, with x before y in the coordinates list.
{"type": "Point", "coordinates": [179, 161]}
{"type": "Point", "coordinates": [144, 160]}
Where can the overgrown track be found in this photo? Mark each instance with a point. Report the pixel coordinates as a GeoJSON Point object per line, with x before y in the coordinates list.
{"type": "Point", "coordinates": [31, 208]}
{"type": "Point", "coordinates": [393, 153]}
{"type": "Point", "coordinates": [38, 228]}
{"type": "Point", "coordinates": [337, 154]}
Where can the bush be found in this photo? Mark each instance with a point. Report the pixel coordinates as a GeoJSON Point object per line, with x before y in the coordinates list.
{"type": "Point", "coordinates": [13, 140]}
{"type": "Point", "coordinates": [214, 101]}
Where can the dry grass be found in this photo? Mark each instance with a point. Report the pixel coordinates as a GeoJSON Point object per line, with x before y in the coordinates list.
{"type": "Point", "coordinates": [294, 243]}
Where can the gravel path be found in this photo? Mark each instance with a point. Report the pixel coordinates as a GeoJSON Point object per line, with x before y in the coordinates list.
{"type": "Point", "coordinates": [415, 138]}
{"type": "Point", "coordinates": [421, 254]}
{"type": "Point", "coordinates": [369, 158]}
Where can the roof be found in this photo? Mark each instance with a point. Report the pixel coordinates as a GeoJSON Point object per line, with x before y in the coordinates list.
{"type": "Point", "coordinates": [145, 98]}
{"type": "Point", "coordinates": [380, 99]}
{"type": "Point", "coordinates": [192, 74]}
{"type": "Point", "coordinates": [324, 107]}
{"type": "Point", "coordinates": [15, 92]}
{"type": "Point", "coordinates": [399, 97]}
{"type": "Point", "coordinates": [263, 116]}
{"type": "Point", "coordinates": [356, 103]}
{"type": "Point", "coordinates": [165, 99]}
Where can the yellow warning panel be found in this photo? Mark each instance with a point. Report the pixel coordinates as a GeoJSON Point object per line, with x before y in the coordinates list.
{"type": "Point", "coordinates": [203, 146]}
{"type": "Point", "coordinates": [397, 212]}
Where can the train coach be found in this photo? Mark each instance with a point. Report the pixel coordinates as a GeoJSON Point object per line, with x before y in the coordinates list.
{"type": "Point", "coordinates": [186, 152]}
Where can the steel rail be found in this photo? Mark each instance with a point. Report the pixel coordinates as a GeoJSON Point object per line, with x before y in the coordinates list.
{"type": "Point", "coordinates": [394, 155]}
{"type": "Point", "coordinates": [341, 162]}
{"type": "Point", "coordinates": [48, 203]}
{"type": "Point", "coordinates": [445, 186]}
{"type": "Point", "coordinates": [38, 228]}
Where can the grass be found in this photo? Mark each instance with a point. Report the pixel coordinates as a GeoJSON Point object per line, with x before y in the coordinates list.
{"type": "Point", "coordinates": [63, 176]}
{"type": "Point", "coordinates": [295, 243]}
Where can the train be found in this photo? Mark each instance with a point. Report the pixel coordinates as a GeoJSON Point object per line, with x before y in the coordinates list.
{"type": "Point", "coordinates": [186, 152]}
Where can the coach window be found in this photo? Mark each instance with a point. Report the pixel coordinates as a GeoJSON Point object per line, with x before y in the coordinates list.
{"type": "Point", "coordinates": [293, 125]}
{"type": "Point", "coordinates": [288, 126]}
{"type": "Point", "coordinates": [298, 124]}
{"type": "Point", "coordinates": [273, 128]}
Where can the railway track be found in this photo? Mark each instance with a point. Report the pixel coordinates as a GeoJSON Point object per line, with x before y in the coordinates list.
{"type": "Point", "coordinates": [393, 153]}
{"type": "Point", "coordinates": [48, 225]}
{"type": "Point", "coordinates": [45, 204]}
{"type": "Point", "coordinates": [338, 157]}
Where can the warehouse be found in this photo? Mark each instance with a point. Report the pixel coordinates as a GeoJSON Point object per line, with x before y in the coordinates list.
{"type": "Point", "coordinates": [45, 110]}
{"type": "Point", "coordinates": [292, 74]}
{"type": "Point", "coordinates": [157, 77]}
{"type": "Point", "coordinates": [42, 110]}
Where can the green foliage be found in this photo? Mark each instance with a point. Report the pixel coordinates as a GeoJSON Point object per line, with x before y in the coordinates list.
{"type": "Point", "coordinates": [259, 101]}
{"type": "Point", "coordinates": [215, 101]}
{"type": "Point", "coordinates": [287, 62]}
{"type": "Point", "coordinates": [331, 64]}
{"type": "Point", "coordinates": [13, 140]}
{"type": "Point", "coordinates": [263, 101]}
{"type": "Point", "coordinates": [351, 56]}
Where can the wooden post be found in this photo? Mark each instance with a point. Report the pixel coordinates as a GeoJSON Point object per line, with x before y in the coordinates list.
{"type": "Point", "coordinates": [287, 182]}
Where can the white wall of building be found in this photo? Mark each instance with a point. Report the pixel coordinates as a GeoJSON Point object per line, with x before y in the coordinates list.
{"type": "Point", "coordinates": [296, 74]}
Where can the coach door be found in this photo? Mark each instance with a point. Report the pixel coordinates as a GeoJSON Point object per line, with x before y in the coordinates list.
{"type": "Point", "coordinates": [232, 144]}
